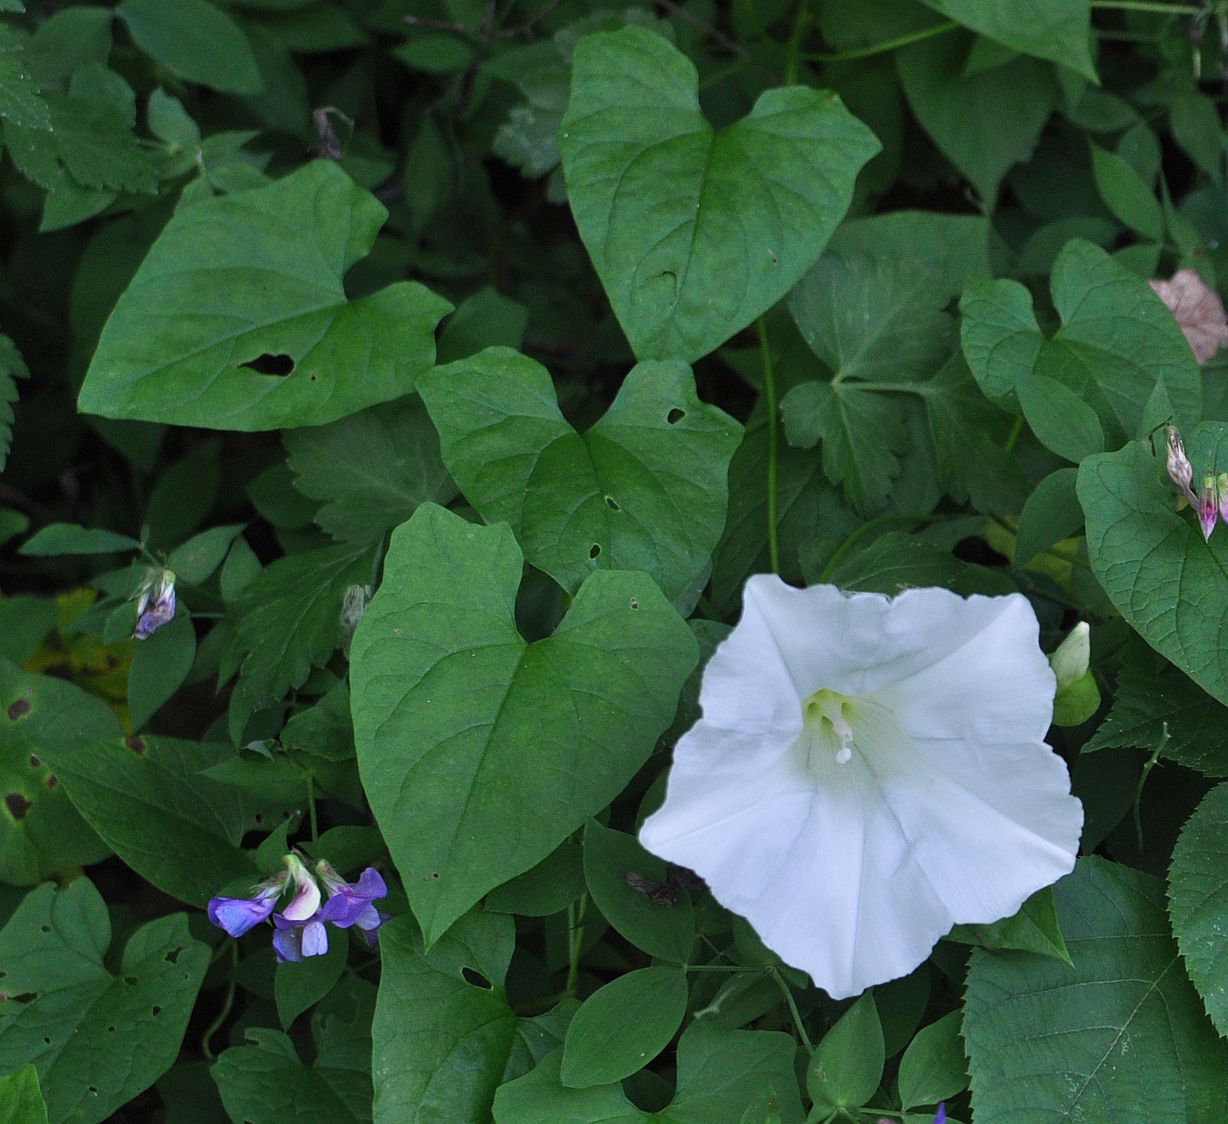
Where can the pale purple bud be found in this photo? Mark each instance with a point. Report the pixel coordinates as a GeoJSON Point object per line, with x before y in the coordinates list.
{"type": "Point", "coordinates": [353, 606]}
{"type": "Point", "coordinates": [155, 603]}
{"type": "Point", "coordinates": [1180, 471]}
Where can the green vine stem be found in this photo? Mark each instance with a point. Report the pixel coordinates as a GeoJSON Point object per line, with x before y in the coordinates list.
{"type": "Point", "coordinates": [773, 422]}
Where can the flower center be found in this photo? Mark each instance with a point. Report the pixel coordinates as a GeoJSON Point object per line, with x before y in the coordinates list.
{"type": "Point", "coordinates": [827, 716]}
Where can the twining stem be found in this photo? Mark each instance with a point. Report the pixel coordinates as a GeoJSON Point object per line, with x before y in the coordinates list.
{"type": "Point", "coordinates": [883, 47]}
{"type": "Point", "coordinates": [787, 992]}
{"type": "Point", "coordinates": [773, 421]}
{"type": "Point", "coordinates": [311, 807]}
{"type": "Point", "coordinates": [575, 938]}
{"type": "Point", "coordinates": [224, 1013]}
{"type": "Point", "coordinates": [1158, 7]}
{"type": "Point", "coordinates": [793, 52]}
{"type": "Point", "coordinates": [1148, 765]}
{"type": "Point", "coordinates": [1154, 6]}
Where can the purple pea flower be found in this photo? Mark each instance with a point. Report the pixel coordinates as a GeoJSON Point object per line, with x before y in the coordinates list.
{"type": "Point", "coordinates": [351, 903]}
{"type": "Point", "coordinates": [238, 915]}
{"type": "Point", "coordinates": [299, 930]}
{"type": "Point", "coordinates": [155, 604]}
{"type": "Point", "coordinates": [940, 1117]}
{"type": "Point", "coordinates": [294, 941]}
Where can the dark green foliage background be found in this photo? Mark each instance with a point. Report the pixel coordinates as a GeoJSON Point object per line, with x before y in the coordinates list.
{"type": "Point", "coordinates": [463, 358]}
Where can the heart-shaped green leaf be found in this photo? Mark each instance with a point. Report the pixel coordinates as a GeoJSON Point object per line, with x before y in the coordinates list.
{"type": "Point", "coordinates": [644, 489]}
{"type": "Point", "coordinates": [237, 318]}
{"type": "Point", "coordinates": [440, 1042]}
{"type": "Point", "coordinates": [1170, 585]}
{"type": "Point", "coordinates": [695, 233]}
{"type": "Point", "coordinates": [481, 753]}
{"type": "Point", "coordinates": [984, 121]}
{"type": "Point", "coordinates": [98, 1037]}
{"type": "Point", "coordinates": [1055, 29]}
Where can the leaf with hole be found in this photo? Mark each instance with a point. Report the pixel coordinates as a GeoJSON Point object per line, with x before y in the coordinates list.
{"type": "Point", "coordinates": [644, 489]}
{"type": "Point", "coordinates": [74, 1011]}
{"type": "Point", "coordinates": [443, 1030]}
{"type": "Point", "coordinates": [40, 831]}
{"type": "Point", "coordinates": [237, 317]}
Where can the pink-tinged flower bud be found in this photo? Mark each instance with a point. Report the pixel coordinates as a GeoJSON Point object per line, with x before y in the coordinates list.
{"type": "Point", "coordinates": [1180, 471]}
{"type": "Point", "coordinates": [155, 604]}
{"type": "Point", "coordinates": [1208, 504]}
{"type": "Point", "coordinates": [306, 899]}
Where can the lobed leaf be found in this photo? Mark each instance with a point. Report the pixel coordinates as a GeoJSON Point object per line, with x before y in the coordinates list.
{"type": "Point", "coordinates": [370, 470]}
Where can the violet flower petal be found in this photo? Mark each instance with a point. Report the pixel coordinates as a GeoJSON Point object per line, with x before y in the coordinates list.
{"type": "Point", "coordinates": [238, 915]}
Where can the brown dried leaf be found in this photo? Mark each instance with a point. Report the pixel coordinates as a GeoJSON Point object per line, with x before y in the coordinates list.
{"type": "Point", "coordinates": [1197, 309]}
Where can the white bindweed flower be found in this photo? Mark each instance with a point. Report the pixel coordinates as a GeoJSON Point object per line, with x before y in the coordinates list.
{"type": "Point", "coordinates": [868, 772]}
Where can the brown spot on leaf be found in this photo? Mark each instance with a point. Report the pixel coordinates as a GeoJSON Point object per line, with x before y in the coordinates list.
{"type": "Point", "coordinates": [136, 744]}
{"type": "Point", "coordinates": [51, 781]}
{"type": "Point", "coordinates": [17, 804]}
{"type": "Point", "coordinates": [659, 893]}
{"type": "Point", "coordinates": [19, 708]}
{"type": "Point", "coordinates": [1197, 308]}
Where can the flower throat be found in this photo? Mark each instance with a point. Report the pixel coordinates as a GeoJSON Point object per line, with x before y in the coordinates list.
{"type": "Point", "coordinates": [827, 718]}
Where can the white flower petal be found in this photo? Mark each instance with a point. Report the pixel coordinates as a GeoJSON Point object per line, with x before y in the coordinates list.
{"type": "Point", "coordinates": [988, 679]}
{"type": "Point", "coordinates": [950, 810]}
